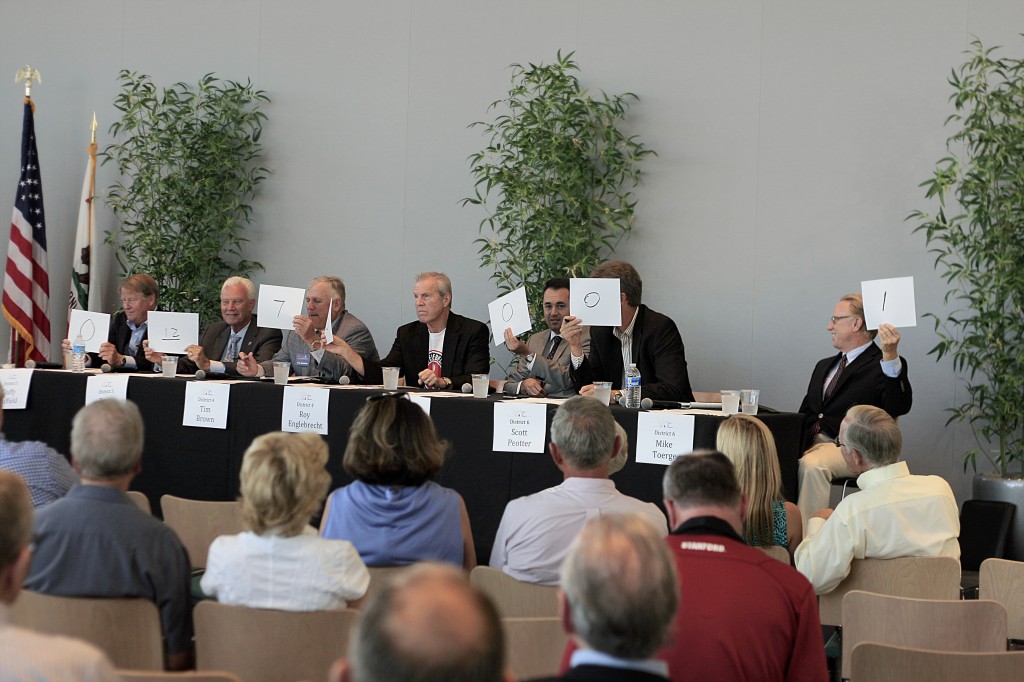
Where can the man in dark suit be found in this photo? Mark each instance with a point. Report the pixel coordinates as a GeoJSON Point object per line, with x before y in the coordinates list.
{"type": "Point", "coordinates": [654, 345]}
{"type": "Point", "coordinates": [860, 374]}
{"type": "Point", "coordinates": [129, 328]}
{"type": "Point", "coordinates": [441, 349]}
{"type": "Point", "coordinates": [237, 333]}
{"type": "Point", "coordinates": [619, 596]}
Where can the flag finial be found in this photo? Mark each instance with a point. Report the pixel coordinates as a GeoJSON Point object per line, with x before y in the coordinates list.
{"type": "Point", "coordinates": [93, 128]}
{"type": "Point", "coordinates": [28, 74]}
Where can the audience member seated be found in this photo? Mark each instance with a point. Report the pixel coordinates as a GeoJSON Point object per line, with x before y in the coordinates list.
{"type": "Point", "coordinates": [27, 655]}
{"type": "Point", "coordinates": [618, 598]}
{"type": "Point", "coordinates": [95, 542]}
{"type": "Point", "coordinates": [281, 562]}
{"type": "Point", "coordinates": [427, 624]}
{"type": "Point", "coordinates": [46, 472]}
{"type": "Point", "coordinates": [393, 513]}
{"type": "Point", "coordinates": [894, 514]}
{"type": "Point", "coordinates": [750, 446]}
{"type": "Point", "coordinates": [536, 530]}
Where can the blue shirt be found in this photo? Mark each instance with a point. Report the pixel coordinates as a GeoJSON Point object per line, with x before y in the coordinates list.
{"type": "Point", "coordinates": [46, 472]}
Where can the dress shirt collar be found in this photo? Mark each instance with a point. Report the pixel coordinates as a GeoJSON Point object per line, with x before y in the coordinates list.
{"type": "Point", "coordinates": [587, 484]}
{"type": "Point", "coordinates": [241, 332]}
{"type": "Point", "coordinates": [855, 353]}
{"type": "Point", "coordinates": [592, 657]}
{"type": "Point", "coordinates": [707, 525]}
{"type": "Point", "coordinates": [99, 493]}
{"type": "Point", "coordinates": [628, 331]}
{"type": "Point", "coordinates": [878, 475]}
{"type": "Point", "coordinates": [136, 327]}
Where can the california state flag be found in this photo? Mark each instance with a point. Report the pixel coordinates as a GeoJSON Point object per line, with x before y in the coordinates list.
{"type": "Point", "coordinates": [85, 283]}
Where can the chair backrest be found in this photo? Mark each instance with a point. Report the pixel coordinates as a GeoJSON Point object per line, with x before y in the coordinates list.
{"type": "Point", "coordinates": [1003, 581]}
{"type": "Point", "coordinates": [941, 624]}
{"type": "Point", "coordinates": [984, 529]}
{"type": "Point", "coordinates": [776, 552]}
{"type": "Point", "coordinates": [883, 663]}
{"type": "Point", "coordinates": [184, 676]}
{"type": "Point", "coordinates": [917, 577]}
{"type": "Point", "coordinates": [534, 646]}
{"type": "Point", "coordinates": [380, 575]}
{"type": "Point", "coordinates": [140, 500]}
{"type": "Point", "coordinates": [127, 630]}
{"type": "Point", "coordinates": [199, 522]}
{"type": "Point", "coordinates": [514, 598]}
{"type": "Point", "coordinates": [264, 644]}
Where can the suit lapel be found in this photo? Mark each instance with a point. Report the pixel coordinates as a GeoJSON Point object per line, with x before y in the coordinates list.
{"type": "Point", "coordinates": [450, 348]}
{"type": "Point", "coordinates": [858, 365]}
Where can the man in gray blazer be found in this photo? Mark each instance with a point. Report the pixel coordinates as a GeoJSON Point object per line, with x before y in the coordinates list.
{"type": "Point", "coordinates": [304, 347]}
{"type": "Point", "coordinates": [543, 367]}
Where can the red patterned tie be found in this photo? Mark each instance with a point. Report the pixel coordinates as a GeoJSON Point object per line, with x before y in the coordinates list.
{"type": "Point", "coordinates": [835, 378]}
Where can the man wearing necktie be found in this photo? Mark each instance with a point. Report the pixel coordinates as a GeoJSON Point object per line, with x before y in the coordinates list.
{"type": "Point", "coordinates": [237, 333]}
{"type": "Point", "coordinates": [543, 367]}
{"type": "Point", "coordinates": [862, 373]}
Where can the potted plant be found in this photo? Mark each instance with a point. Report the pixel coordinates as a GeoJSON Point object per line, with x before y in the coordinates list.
{"type": "Point", "coordinates": [188, 157]}
{"type": "Point", "coordinates": [977, 237]}
{"type": "Point", "coordinates": [556, 179]}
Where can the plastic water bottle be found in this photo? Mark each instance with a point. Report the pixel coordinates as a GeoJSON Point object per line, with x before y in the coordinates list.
{"type": "Point", "coordinates": [78, 355]}
{"type": "Point", "coordinates": [632, 387]}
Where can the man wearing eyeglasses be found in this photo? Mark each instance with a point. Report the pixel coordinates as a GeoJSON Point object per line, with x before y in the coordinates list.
{"type": "Point", "coordinates": [862, 373]}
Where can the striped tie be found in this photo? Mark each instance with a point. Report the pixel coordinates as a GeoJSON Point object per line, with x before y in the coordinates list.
{"type": "Point", "coordinates": [835, 378]}
{"type": "Point", "coordinates": [232, 353]}
{"type": "Point", "coordinates": [554, 346]}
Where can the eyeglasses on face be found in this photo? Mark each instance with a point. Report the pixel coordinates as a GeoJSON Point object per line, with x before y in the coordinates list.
{"type": "Point", "coordinates": [836, 318]}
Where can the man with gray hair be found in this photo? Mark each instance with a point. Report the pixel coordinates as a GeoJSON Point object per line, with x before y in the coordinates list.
{"type": "Point", "coordinates": [427, 624]}
{"type": "Point", "coordinates": [237, 332]}
{"type": "Point", "coordinates": [27, 655]}
{"type": "Point", "coordinates": [535, 531]}
{"type": "Point", "coordinates": [95, 542]}
{"type": "Point", "coordinates": [894, 514]}
{"type": "Point", "coordinates": [618, 598]}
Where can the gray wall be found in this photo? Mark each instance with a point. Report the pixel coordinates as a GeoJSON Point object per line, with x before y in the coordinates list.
{"type": "Point", "coordinates": [791, 137]}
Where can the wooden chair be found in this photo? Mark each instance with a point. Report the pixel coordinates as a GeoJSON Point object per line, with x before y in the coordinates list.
{"type": "Point", "coordinates": [514, 598]}
{"type": "Point", "coordinates": [380, 575]}
{"type": "Point", "coordinates": [141, 501]}
{"type": "Point", "coordinates": [534, 646]}
{"type": "Point", "coordinates": [185, 676]}
{"type": "Point", "coordinates": [883, 663]}
{"type": "Point", "coordinates": [776, 552]}
{"type": "Point", "coordinates": [1003, 581]}
{"type": "Point", "coordinates": [264, 644]}
{"type": "Point", "coordinates": [199, 522]}
{"type": "Point", "coordinates": [127, 630]}
{"type": "Point", "coordinates": [938, 624]}
{"type": "Point", "coordinates": [916, 577]}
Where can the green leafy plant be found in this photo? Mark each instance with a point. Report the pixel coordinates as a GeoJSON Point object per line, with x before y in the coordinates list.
{"type": "Point", "coordinates": [981, 252]}
{"type": "Point", "coordinates": [188, 157]}
{"type": "Point", "coordinates": [555, 179]}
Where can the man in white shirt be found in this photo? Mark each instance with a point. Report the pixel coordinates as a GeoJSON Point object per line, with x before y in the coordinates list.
{"type": "Point", "coordinates": [536, 530]}
{"type": "Point", "coordinates": [894, 514]}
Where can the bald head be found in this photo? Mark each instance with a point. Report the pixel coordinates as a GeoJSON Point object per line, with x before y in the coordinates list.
{"type": "Point", "coordinates": [428, 624]}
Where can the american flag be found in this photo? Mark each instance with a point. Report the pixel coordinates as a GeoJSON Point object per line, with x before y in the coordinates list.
{"type": "Point", "coordinates": [26, 298]}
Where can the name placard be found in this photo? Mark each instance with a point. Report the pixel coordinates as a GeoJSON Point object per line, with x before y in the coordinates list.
{"type": "Point", "coordinates": [422, 400]}
{"type": "Point", "coordinates": [104, 386]}
{"type": "Point", "coordinates": [206, 405]}
{"type": "Point", "coordinates": [305, 409]}
{"type": "Point", "coordinates": [16, 383]}
{"type": "Point", "coordinates": [661, 437]}
{"type": "Point", "coordinates": [519, 427]}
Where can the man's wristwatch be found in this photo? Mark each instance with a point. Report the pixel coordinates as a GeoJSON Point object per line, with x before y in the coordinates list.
{"type": "Point", "coordinates": [316, 345]}
{"type": "Point", "coordinates": [124, 361]}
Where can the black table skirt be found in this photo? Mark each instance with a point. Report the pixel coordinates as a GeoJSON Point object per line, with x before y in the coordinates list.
{"type": "Point", "coordinates": [199, 463]}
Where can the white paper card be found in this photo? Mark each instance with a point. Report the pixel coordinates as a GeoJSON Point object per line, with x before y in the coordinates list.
{"type": "Point", "coordinates": [92, 326]}
{"type": "Point", "coordinates": [422, 400]}
{"type": "Point", "coordinates": [595, 300]}
{"type": "Point", "coordinates": [16, 383]}
{"type": "Point", "coordinates": [519, 427]}
{"type": "Point", "coordinates": [305, 409]}
{"type": "Point", "coordinates": [661, 437]}
{"type": "Point", "coordinates": [889, 300]}
{"type": "Point", "coordinates": [172, 332]}
{"type": "Point", "coordinates": [103, 386]}
{"type": "Point", "coordinates": [206, 405]}
{"type": "Point", "coordinates": [509, 310]}
{"type": "Point", "coordinates": [277, 306]}
{"type": "Point", "coordinates": [329, 329]}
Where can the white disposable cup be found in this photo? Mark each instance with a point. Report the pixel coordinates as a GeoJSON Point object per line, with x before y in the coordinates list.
{"type": "Point", "coordinates": [169, 366]}
{"type": "Point", "coordinates": [68, 357]}
{"type": "Point", "coordinates": [730, 402]}
{"type": "Point", "coordinates": [281, 370]}
{"type": "Point", "coordinates": [603, 391]}
{"type": "Point", "coordinates": [480, 385]}
{"type": "Point", "coordinates": [390, 378]}
{"type": "Point", "coordinates": [748, 400]}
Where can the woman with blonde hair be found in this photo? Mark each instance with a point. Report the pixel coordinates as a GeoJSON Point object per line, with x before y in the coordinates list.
{"type": "Point", "coordinates": [771, 520]}
{"type": "Point", "coordinates": [281, 562]}
{"type": "Point", "coordinates": [393, 513]}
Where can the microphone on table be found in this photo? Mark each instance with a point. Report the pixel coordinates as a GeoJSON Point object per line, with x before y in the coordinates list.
{"type": "Point", "coordinates": [649, 404]}
{"type": "Point", "coordinates": [106, 368]}
{"type": "Point", "coordinates": [33, 364]}
{"type": "Point", "coordinates": [467, 387]}
{"type": "Point", "coordinates": [344, 380]}
{"type": "Point", "coordinates": [200, 374]}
